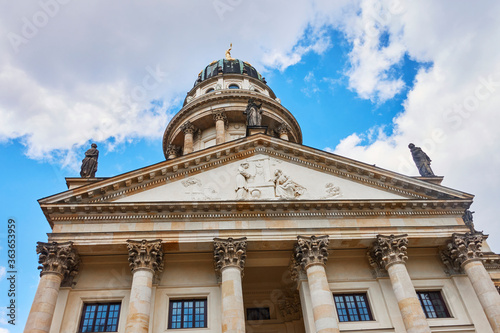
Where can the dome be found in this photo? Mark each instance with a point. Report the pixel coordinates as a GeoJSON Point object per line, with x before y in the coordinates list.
{"type": "Point", "coordinates": [225, 66]}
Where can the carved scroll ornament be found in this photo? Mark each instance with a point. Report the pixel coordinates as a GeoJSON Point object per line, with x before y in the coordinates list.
{"type": "Point", "coordinates": [58, 258]}
{"type": "Point", "coordinates": [230, 252]}
{"type": "Point", "coordinates": [311, 250]}
{"type": "Point", "coordinates": [388, 250]}
{"type": "Point", "coordinates": [145, 254]}
{"type": "Point", "coordinates": [461, 249]}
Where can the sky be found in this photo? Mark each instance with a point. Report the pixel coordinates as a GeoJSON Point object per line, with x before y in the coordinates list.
{"type": "Point", "coordinates": [363, 78]}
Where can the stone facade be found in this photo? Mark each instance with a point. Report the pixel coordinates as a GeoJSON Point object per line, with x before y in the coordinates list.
{"type": "Point", "coordinates": [261, 234]}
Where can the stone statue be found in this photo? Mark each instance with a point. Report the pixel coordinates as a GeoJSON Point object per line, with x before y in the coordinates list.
{"type": "Point", "coordinates": [253, 113]}
{"type": "Point", "coordinates": [469, 220]}
{"type": "Point", "coordinates": [241, 181]}
{"type": "Point", "coordinates": [89, 163]}
{"type": "Point", "coordinates": [422, 161]}
{"type": "Point", "coordinates": [228, 52]}
{"type": "Point", "coordinates": [286, 188]}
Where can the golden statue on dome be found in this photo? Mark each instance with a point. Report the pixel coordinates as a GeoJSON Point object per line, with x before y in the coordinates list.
{"type": "Point", "coordinates": [228, 52]}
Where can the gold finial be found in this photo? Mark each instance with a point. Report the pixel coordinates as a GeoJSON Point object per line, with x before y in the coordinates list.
{"type": "Point", "coordinates": [228, 52]}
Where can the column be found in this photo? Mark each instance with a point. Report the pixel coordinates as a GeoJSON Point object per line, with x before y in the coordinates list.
{"type": "Point", "coordinates": [172, 151]}
{"type": "Point", "coordinates": [220, 126]}
{"type": "Point", "coordinates": [298, 275]}
{"type": "Point", "coordinates": [188, 130]}
{"type": "Point", "coordinates": [389, 252]}
{"type": "Point", "coordinates": [58, 261]}
{"type": "Point", "coordinates": [283, 130]}
{"type": "Point", "coordinates": [229, 256]}
{"type": "Point", "coordinates": [312, 253]}
{"type": "Point", "coordinates": [463, 253]}
{"type": "Point", "coordinates": [145, 260]}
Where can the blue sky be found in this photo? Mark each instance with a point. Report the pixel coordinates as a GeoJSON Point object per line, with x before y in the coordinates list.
{"type": "Point", "coordinates": [363, 78]}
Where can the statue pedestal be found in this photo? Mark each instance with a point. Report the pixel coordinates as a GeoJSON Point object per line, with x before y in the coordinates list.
{"type": "Point", "coordinates": [435, 180]}
{"type": "Point", "coordinates": [251, 130]}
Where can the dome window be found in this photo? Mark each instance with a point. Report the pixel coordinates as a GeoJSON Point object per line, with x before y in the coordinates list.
{"type": "Point", "coordinates": [209, 90]}
{"type": "Point", "coordinates": [234, 86]}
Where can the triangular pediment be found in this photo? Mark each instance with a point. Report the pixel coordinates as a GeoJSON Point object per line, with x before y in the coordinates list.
{"type": "Point", "coordinates": [252, 169]}
{"type": "Point", "coordinates": [262, 176]}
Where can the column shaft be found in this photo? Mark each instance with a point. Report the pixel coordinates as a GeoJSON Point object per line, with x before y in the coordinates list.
{"type": "Point", "coordinates": [140, 301]}
{"type": "Point", "coordinates": [409, 305]}
{"type": "Point", "coordinates": [305, 302]}
{"type": "Point", "coordinates": [188, 143]}
{"type": "Point", "coordinates": [325, 319]}
{"type": "Point", "coordinates": [42, 309]}
{"type": "Point", "coordinates": [485, 290]}
{"type": "Point", "coordinates": [233, 314]}
{"type": "Point", "coordinates": [220, 129]}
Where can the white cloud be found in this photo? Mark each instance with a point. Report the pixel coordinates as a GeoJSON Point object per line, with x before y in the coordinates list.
{"type": "Point", "coordinates": [452, 110]}
{"type": "Point", "coordinates": [3, 271]}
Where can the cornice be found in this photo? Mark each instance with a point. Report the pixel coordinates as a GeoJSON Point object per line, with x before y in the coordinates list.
{"type": "Point", "coordinates": [228, 210]}
{"type": "Point", "coordinates": [167, 171]}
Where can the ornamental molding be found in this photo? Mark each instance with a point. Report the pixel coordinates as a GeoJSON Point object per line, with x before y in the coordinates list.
{"type": "Point", "coordinates": [388, 250]}
{"type": "Point", "coordinates": [462, 249]}
{"type": "Point", "coordinates": [283, 128]}
{"type": "Point", "coordinates": [145, 254]}
{"type": "Point", "coordinates": [230, 252]}
{"type": "Point", "coordinates": [58, 258]}
{"type": "Point", "coordinates": [235, 209]}
{"type": "Point", "coordinates": [311, 250]}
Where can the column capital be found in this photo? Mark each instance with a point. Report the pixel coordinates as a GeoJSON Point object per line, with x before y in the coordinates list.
{"type": "Point", "coordinates": [145, 254]}
{"type": "Point", "coordinates": [58, 258]}
{"type": "Point", "coordinates": [173, 150]}
{"type": "Point", "coordinates": [297, 273]}
{"type": "Point", "coordinates": [462, 249]}
{"type": "Point", "coordinates": [230, 252]}
{"type": "Point", "coordinates": [283, 128]}
{"type": "Point", "coordinates": [188, 128]}
{"type": "Point", "coordinates": [219, 114]}
{"type": "Point", "coordinates": [311, 250]}
{"type": "Point", "coordinates": [388, 250]}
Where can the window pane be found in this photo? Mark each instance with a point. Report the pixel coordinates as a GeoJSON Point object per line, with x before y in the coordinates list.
{"type": "Point", "coordinates": [352, 307]}
{"type": "Point", "coordinates": [100, 317]}
{"type": "Point", "coordinates": [187, 313]}
{"type": "Point", "coordinates": [433, 304]}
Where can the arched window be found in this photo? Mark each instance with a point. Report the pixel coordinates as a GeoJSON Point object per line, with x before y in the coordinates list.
{"type": "Point", "coordinates": [209, 90]}
{"type": "Point", "coordinates": [234, 86]}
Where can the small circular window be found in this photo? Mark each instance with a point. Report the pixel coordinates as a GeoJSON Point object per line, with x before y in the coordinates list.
{"type": "Point", "coordinates": [209, 90]}
{"type": "Point", "coordinates": [234, 86]}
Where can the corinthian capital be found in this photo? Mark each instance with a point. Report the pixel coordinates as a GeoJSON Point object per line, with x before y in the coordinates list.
{"type": "Point", "coordinates": [58, 258]}
{"type": "Point", "coordinates": [462, 249]}
{"type": "Point", "coordinates": [230, 252]}
{"type": "Point", "coordinates": [219, 115]}
{"type": "Point", "coordinates": [145, 254]}
{"type": "Point", "coordinates": [388, 250]}
{"type": "Point", "coordinates": [311, 250]}
{"type": "Point", "coordinates": [283, 128]}
{"type": "Point", "coordinates": [188, 128]}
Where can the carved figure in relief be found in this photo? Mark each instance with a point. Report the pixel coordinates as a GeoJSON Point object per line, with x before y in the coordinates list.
{"type": "Point", "coordinates": [286, 188]}
{"type": "Point", "coordinates": [89, 163]}
{"type": "Point", "coordinates": [196, 191]}
{"type": "Point", "coordinates": [241, 181]}
{"type": "Point", "coordinates": [253, 113]}
{"type": "Point", "coordinates": [422, 161]}
{"type": "Point", "coordinates": [332, 191]}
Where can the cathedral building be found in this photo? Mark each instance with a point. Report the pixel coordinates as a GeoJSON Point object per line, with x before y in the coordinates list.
{"type": "Point", "coordinates": [244, 229]}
